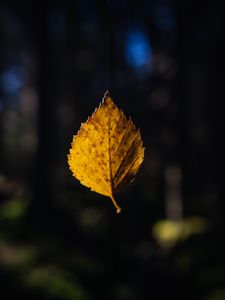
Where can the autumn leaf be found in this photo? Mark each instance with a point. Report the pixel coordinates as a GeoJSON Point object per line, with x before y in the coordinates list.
{"type": "Point", "coordinates": [107, 151]}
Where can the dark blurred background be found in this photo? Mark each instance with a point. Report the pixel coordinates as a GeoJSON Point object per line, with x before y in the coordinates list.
{"type": "Point", "coordinates": [60, 241]}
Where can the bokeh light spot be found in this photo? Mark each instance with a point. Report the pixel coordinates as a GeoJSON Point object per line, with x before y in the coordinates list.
{"type": "Point", "coordinates": [138, 49]}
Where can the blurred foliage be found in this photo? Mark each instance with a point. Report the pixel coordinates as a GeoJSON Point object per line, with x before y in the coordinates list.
{"type": "Point", "coordinates": [169, 232]}
{"type": "Point", "coordinates": [13, 209]}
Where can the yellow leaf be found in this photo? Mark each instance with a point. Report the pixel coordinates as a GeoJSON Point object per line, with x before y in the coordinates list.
{"type": "Point", "coordinates": [107, 151]}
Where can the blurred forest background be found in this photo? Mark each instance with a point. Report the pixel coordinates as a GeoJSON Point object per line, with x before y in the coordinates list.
{"type": "Point", "coordinates": [60, 241]}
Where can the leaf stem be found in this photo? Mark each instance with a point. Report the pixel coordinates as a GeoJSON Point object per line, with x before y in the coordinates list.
{"type": "Point", "coordinates": [118, 209]}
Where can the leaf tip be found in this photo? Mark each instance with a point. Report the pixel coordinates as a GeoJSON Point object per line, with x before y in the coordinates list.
{"type": "Point", "coordinates": [107, 94]}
